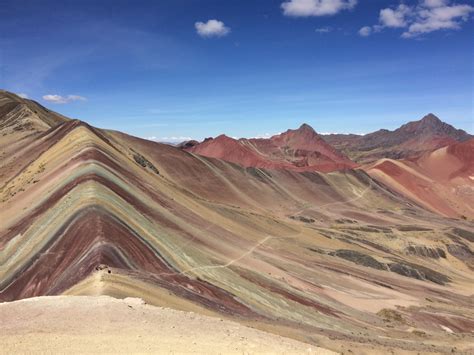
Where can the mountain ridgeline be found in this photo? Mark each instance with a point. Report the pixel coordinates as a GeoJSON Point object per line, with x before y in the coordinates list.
{"type": "Point", "coordinates": [409, 140]}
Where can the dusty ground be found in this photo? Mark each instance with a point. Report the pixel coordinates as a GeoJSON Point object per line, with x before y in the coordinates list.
{"type": "Point", "coordinates": [67, 324]}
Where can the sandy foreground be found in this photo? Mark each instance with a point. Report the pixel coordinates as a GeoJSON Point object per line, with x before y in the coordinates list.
{"type": "Point", "coordinates": [102, 324]}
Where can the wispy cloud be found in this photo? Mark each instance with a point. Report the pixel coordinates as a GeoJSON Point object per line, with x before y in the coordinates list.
{"type": "Point", "coordinates": [330, 133]}
{"type": "Point", "coordinates": [58, 99]}
{"type": "Point", "coordinates": [211, 28]}
{"type": "Point", "coordinates": [365, 31]}
{"type": "Point", "coordinates": [306, 8]}
{"type": "Point", "coordinates": [438, 15]}
{"type": "Point", "coordinates": [92, 40]}
{"type": "Point", "coordinates": [428, 16]}
{"type": "Point", "coordinates": [22, 95]}
{"type": "Point", "coordinates": [322, 30]}
{"type": "Point", "coordinates": [265, 135]}
{"type": "Point", "coordinates": [172, 139]}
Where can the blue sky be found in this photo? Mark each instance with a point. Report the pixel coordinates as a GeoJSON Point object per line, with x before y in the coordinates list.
{"type": "Point", "coordinates": [160, 69]}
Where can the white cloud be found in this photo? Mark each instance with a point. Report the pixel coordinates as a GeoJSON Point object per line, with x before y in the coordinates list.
{"type": "Point", "coordinates": [394, 17]}
{"type": "Point", "coordinates": [172, 139]}
{"type": "Point", "coordinates": [436, 18]}
{"type": "Point", "coordinates": [346, 133]}
{"type": "Point", "coordinates": [435, 3]}
{"type": "Point", "coordinates": [428, 16]}
{"type": "Point", "coordinates": [365, 31]}
{"type": "Point", "coordinates": [305, 8]}
{"type": "Point", "coordinates": [212, 28]}
{"type": "Point", "coordinates": [265, 135]}
{"type": "Point", "coordinates": [323, 30]}
{"type": "Point", "coordinates": [23, 95]}
{"type": "Point", "coordinates": [58, 99]}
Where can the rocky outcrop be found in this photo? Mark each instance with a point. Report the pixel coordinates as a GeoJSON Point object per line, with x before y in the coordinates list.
{"type": "Point", "coordinates": [402, 268]}
{"type": "Point", "coordinates": [418, 272]}
{"type": "Point", "coordinates": [426, 252]}
{"type": "Point", "coordinates": [463, 253]}
{"type": "Point", "coordinates": [359, 258]}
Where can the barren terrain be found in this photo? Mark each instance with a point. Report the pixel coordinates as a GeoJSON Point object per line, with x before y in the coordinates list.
{"type": "Point", "coordinates": [352, 259]}
{"type": "Point", "coordinates": [107, 325]}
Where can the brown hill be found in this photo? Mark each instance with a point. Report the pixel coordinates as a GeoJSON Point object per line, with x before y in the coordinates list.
{"type": "Point", "coordinates": [409, 140]}
{"type": "Point", "coordinates": [301, 150]}
{"type": "Point", "coordinates": [18, 114]}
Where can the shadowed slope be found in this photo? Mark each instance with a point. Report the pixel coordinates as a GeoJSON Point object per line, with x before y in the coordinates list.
{"type": "Point", "coordinates": [23, 115]}
{"type": "Point", "coordinates": [23, 126]}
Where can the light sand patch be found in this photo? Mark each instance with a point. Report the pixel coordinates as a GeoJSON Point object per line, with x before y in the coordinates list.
{"type": "Point", "coordinates": [446, 329]}
{"type": "Point", "coordinates": [369, 298]}
{"type": "Point", "coordinates": [67, 324]}
{"type": "Point", "coordinates": [405, 167]}
{"type": "Point", "coordinates": [440, 153]}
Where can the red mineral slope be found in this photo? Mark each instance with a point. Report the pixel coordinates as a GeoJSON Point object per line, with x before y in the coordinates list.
{"type": "Point", "coordinates": [300, 150]}
{"type": "Point", "coordinates": [441, 180]}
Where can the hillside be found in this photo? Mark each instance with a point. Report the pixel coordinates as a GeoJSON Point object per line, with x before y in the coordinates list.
{"type": "Point", "coordinates": [23, 115]}
{"type": "Point", "coordinates": [300, 150]}
{"type": "Point", "coordinates": [334, 260]}
{"type": "Point", "coordinates": [441, 180]}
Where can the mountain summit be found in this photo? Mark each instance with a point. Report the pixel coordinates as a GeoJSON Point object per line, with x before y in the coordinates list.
{"type": "Point", "coordinates": [431, 125]}
{"type": "Point", "coordinates": [411, 139]}
{"type": "Point", "coordinates": [300, 149]}
{"type": "Point", "coordinates": [304, 134]}
{"type": "Point", "coordinates": [306, 128]}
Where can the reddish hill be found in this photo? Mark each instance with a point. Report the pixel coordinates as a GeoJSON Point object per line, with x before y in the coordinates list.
{"type": "Point", "coordinates": [409, 140]}
{"type": "Point", "coordinates": [301, 150]}
{"type": "Point", "coordinates": [441, 180]}
{"type": "Point", "coordinates": [464, 153]}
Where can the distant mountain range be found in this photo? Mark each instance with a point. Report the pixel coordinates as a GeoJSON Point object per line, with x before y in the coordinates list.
{"type": "Point", "coordinates": [399, 158]}
{"type": "Point", "coordinates": [305, 150]}
{"type": "Point", "coordinates": [411, 139]}
{"type": "Point", "coordinates": [301, 150]}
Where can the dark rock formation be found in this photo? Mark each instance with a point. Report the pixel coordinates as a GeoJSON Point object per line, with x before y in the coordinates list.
{"type": "Point", "coordinates": [418, 272]}
{"type": "Point", "coordinates": [359, 258]}
{"type": "Point", "coordinates": [419, 250]}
